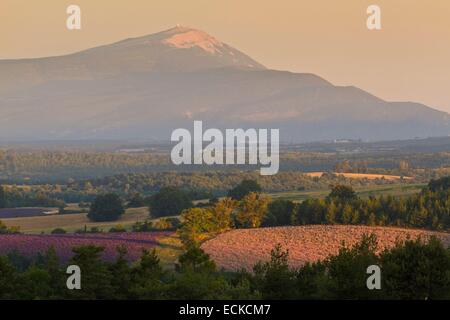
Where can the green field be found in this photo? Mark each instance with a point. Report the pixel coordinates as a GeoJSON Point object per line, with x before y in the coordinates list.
{"type": "Point", "coordinates": [363, 192]}
{"type": "Point", "coordinates": [75, 221]}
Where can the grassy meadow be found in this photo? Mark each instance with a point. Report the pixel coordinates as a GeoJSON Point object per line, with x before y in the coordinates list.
{"type": "Point", "coordinates": [363, 192]}
{"type": "Point", "coordinates": [74, 221]}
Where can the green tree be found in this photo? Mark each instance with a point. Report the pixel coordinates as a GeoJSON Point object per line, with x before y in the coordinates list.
{"type": "Point", "coordinates": [342, 193]}
{"type": "Point", "coordinates": [195, 259]}
{"type": "Point", "coordinates": [439, 184]}
{"type": "Point", "coordinates": [169, 201]}
{"type": "Point", "coordinates": [252, 210]}
{"type": "Point", "coordinates": [147, 277]}
{"type": "Point", "coordinates": [416, 270]}
{"type": "Point", "coordinates": [330, 215]}
{"type": "Point", "coordinates": [8, 280]}
{"type": "Point", "coordinates": [200, 223]}
{"type": "Point", "coordinates": [243, 189]}
{"type": "Point", "coordinates": [197, 224]}
{"type": "Point", "coordinates": [3, 197]}
{"type": "Point", "coordinates": [107, 207]}
{"type": "Point", "coordinates": [197, 277]}
{"type": "Point", "coordinates": [36, 283]}
{"type": "Point", "coordinates": [279, 213]}
{"type": "Point", "coordinates": [372, 219]}
{"type": "Point", "coordinates": [347, 214]}
{"type": "Point", "coordinates": [222, 214]}
{"type": "Point", "coordinates": [136, 201]}
{"type": "Point", "coordinates": [96, 275]}
{"type": "Point", "coordinates": [274, 279]}
{"type": "Point", "coordinates": [346, 272]}
{"type": "Point", "coordinates": [120, 272]}
{"type": "Point", "coordinates": [49, 261]}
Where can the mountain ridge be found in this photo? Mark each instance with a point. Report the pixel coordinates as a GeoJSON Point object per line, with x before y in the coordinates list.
{"type": "Point", "coordinates": [147, 86]}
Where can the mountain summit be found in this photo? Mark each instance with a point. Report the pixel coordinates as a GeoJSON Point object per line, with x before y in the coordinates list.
{"type": "Point", "coordinates": [178, 49]}
{"type": "Point", "coordinates": [185, 38]}
{"type": "Point", "coordinates": [147, 86]}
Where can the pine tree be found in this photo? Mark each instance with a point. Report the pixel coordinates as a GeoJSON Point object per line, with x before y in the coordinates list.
{"type": "Point", "coordinates": [3, 197]}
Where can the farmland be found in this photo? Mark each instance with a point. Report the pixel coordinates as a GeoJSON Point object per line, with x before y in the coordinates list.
{"type": "Point", "coordinates": [30, 245]}
{"type": "Point", "coordinates": [369, 176]}
{"type": "Point", "coordinates": [397, 189]}
{"type": "Point", "coordinates": [71, 222]}
{"type": "Point", "coordinates": [245, 247]}
{"type": "Point", "coordinates": [74, 221]}
{"type": "Point", "coordinates": [26, 212]}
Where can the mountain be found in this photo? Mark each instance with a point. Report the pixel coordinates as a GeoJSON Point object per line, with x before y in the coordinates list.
{"type": "Point", "coordinates": [179, 49]}
{"type": "Point", "coordinates": [145, 87]}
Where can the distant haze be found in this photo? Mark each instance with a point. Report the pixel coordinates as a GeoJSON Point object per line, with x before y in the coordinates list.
{"type": "Point", "coordinates": [408, 60]}
{"type": "Point", "coordinates": [145, 87]}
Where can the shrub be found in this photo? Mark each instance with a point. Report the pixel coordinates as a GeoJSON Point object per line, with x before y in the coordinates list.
{"type": "Point", "coordinates": [162, 224]}
{"type": "Point", "coordinates": [11, 230]}
{"type": "Point", "coordinates": [118, 228]}
{"type": "Point", "coordinates": [58, 231]}
{"type": "Point", "coordinates": [142, 226]}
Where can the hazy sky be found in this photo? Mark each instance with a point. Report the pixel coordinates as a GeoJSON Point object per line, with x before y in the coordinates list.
{"type": "Point", "coordinates": [409, 59]}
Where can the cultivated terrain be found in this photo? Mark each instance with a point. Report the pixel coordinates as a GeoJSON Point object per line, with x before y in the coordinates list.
{"type": "Point", "coordinates": [243, 248]}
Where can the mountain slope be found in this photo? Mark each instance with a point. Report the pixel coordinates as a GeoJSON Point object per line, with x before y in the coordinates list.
{"type": "Point", "coordinates": [146, 87]}
{"type": "Point", "coordinates": [179, 49]}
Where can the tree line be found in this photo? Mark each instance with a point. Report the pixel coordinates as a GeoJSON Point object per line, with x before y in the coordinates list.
{"type": "Point", "coordinates": [246, 206]}
{"type": "Point", "coordinates": [410, 270]}
{"type": "Point", "coordinates": [428, 209]}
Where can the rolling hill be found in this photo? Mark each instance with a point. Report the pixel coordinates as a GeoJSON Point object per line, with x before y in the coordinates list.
{"type": "Point", "coordinates": [309, 243]}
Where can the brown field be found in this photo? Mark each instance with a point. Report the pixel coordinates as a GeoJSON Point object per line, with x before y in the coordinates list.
{"type": "Point", "coordinates": [243, 248]}
{"type": "Point", "coordinates": [369, 176]}
{"type": "Point", "coordinates": [74, 221]}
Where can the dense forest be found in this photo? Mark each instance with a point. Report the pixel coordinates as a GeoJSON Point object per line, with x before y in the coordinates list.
{"type": "Point", "coordinates": [31, 166]}
{"type": "Point", "coordinates": [50, 178]}
{"type": "Point", "coordinates": [204, 184]}
{"type": "Point", "coordinates": [428, 209]}
{"type": "Point", "coordinates": [222, 181]}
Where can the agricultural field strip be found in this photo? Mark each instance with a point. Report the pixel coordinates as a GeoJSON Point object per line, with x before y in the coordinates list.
{"type": "Point", "coordinates": [88, 237]}
{"type": "Point", "coordinates": [30, 245]}
{"type": "Point", "coordinates": [370, 176]}
{"type": "Point", "coordinates": [243, 248]}
{"type": "Point", "coordinates": [73, 221]}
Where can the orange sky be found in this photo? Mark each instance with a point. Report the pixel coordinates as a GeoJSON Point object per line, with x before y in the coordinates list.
{"type": "Point", "coordinates": [408, 60]}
